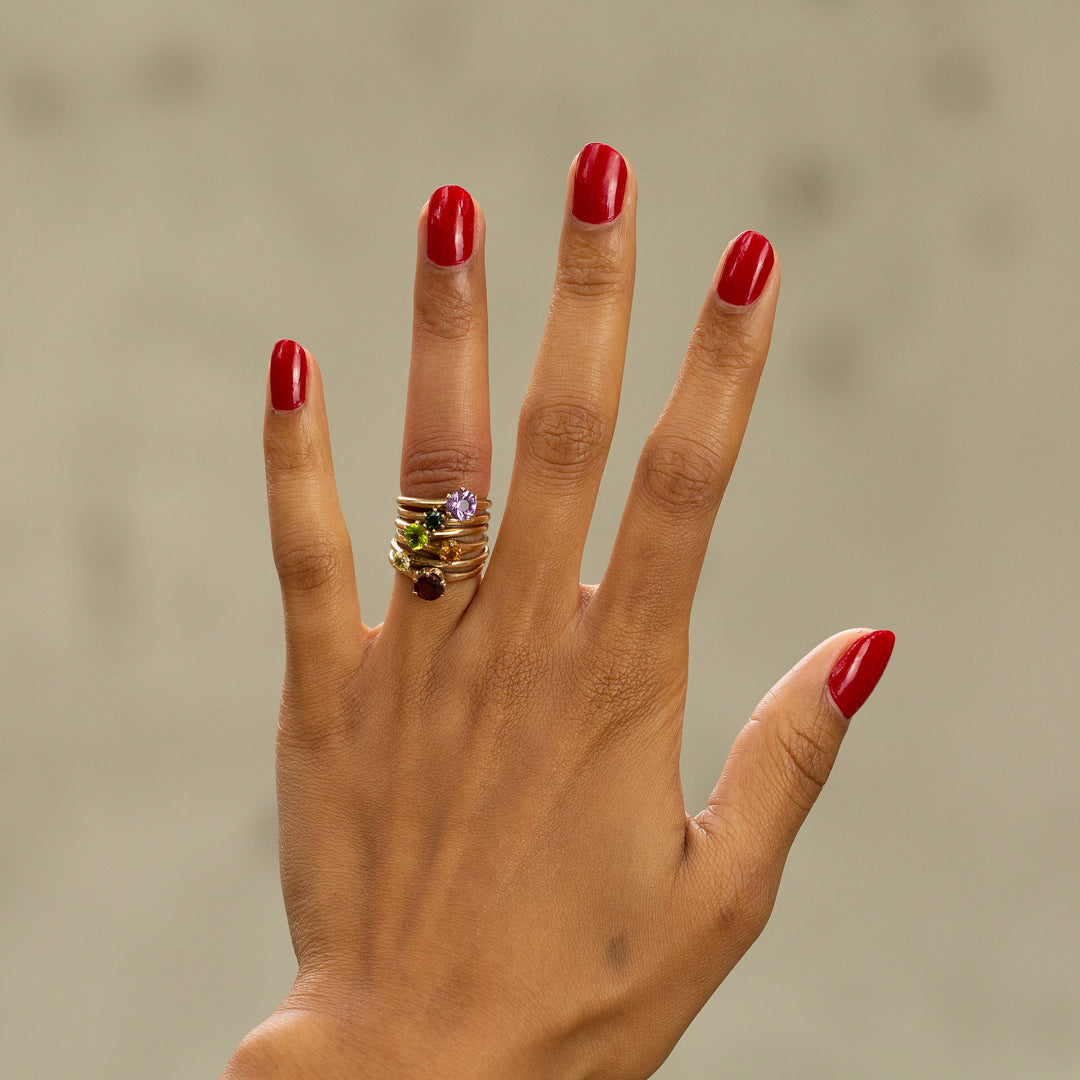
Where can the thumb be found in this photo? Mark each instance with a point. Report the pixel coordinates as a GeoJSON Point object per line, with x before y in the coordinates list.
{"type": "Point", "coordinates": [778, 766]}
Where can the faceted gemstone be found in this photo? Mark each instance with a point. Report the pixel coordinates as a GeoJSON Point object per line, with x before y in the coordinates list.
{"type": "Point", "coordinates": [429, 585]}
{"type": "Point", "coordinates": [461, 504]}
{"type": "Point", "coordinates": [450, 550]}
{"type": "Point", "coordinates": [433, 519]}
{"type": "Point", "coordinates": [400, 560]}
{"type": "Point", "coordinates": [416, 536]}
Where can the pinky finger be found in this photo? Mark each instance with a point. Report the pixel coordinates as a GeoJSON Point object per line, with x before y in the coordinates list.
{"type": "Point", "coordinates": [311, 545]}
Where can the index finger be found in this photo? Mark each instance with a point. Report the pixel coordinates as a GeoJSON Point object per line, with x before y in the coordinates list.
{"type": "Point", "coordinates": [689, 455]}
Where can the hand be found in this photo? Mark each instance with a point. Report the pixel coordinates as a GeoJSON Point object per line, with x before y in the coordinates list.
{"type": "Point", "coordinates": [487, 866]}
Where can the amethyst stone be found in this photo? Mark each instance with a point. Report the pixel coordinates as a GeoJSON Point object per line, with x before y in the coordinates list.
{"type": "Point", "coordinates": [461, 505]}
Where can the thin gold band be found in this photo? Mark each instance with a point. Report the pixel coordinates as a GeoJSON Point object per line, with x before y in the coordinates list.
{"type": "Point", "coordinates": [450, 572]}
{"type": "Point", "coordinates": [456, 530]}
{"type": "Point", "coordinates": [436, 558]}
{"type": "Point", "coordinates": [453, 548]}
{"type": "Point", "coordinates": [436, 504]}
{"type": "Point", "coordinates": [455, 569]}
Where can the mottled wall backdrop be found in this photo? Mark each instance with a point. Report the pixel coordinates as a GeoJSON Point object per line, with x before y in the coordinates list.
{"type": "Point", "coordinates": [181, 185]}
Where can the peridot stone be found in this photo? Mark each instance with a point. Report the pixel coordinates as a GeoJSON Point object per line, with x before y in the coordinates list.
{"type": "Point", "coordinates": [416, 536]}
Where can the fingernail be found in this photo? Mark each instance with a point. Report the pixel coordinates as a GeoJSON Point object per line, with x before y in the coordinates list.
{"type": "Point", "coordinates": [746, 269]}
{"type": "Point", "coordinates": [599, 184]}
{"type": "Point", "coordinates": [858, 670]}
{"type": "Point", "coordinates": [451, 215]}
{"type": "Point", "coordinates": [288, 376]}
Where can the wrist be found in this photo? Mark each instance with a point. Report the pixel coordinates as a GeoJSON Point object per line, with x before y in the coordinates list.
{"type": "Point", "coordinates": [290, 1044]}
{"type": "Point", "coordinates": [296, 1044]}
{"type": "Point", "coordinates": [293, 1044]}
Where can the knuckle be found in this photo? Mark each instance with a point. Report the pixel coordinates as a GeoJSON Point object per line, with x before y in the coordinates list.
{"type": "Point", "coordinates": [315, 709]}
{"type": "Point", "coordinates": [752, 901]}
{"type": "Point", "coordinates": [741, 898]}
{"type": "Point", "coordinates": [729, 913]}
{"type": "Point", "coordinates": [311, 563]}
{"type": "Point", "coordinates": [567, 437]}
{"type": "Point", "coordinates": [620, 688]}
{"type": "Point", "coordinates": [586, 272]}
{"type": "Point", "coordinates": [290, 452]}
{"type": "Point", "coordinates": [730, 343]}
{"type": "Point", "coordinates": [505, 686]}
{"type": "Point", "coordinates": [436, 468]}
{"type": "Point", "coordinates": [511, 668]}
{"type": "Point", "coordinates": [681, 475]}
{"type": "Point", "coordinates": [805, 763]}
{"type": "Point", "coordinates": [445, 312]}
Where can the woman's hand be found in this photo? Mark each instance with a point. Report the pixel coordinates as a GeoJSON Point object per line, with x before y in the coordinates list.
{"type": "Point", "coordinates": [487, 866]}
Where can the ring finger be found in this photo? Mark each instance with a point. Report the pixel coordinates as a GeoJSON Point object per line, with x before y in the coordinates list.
{"type": "Point", "coordinates": [447, 439]}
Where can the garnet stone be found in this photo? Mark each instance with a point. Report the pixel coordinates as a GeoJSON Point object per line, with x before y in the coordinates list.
{"type": "Point", "coordinates": [429, 585]}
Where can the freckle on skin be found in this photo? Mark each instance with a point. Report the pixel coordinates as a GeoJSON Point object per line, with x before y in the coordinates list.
{"type": "Point", "coordinates": [618, 951]}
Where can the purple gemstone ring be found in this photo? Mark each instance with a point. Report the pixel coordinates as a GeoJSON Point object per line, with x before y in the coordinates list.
{"type": "Point", "coordinates": [440, 540]}
{"type": "Point", "coordinates": [461, 504]}
{"type": "Point", "coordinates": [462, 498]}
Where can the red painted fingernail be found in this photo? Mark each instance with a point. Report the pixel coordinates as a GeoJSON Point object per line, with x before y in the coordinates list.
{"type": "Point", "coordinates": [450, 219]}
{"type": "Point", "coordinates": [288, 376]}
{"type": "Point", "coordinates": [746, 269]}
{"type": "Point", "coordinates": [858, 670]}
{"type": "Point", "coordinates": [599, 184]}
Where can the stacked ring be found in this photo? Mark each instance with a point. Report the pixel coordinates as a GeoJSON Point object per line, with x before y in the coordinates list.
{"type": "Point", "coordinates": [440, 540]}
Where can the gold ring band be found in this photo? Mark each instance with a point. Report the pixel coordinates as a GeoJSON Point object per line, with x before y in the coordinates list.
{"type": "Point", "coordinates": [455, 571]}
{"type": "Point", "coordinates": [405, 500]}
{"type": "Point", "coordinates": [440, 540]}
{"type": "Point", "coordinates": [422, 558]}
{"type": "Point", "coordinates": [403, 523]}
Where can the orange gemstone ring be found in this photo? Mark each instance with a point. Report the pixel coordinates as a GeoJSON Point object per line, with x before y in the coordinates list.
{"type": "Point", "coordinates": [440, 541]}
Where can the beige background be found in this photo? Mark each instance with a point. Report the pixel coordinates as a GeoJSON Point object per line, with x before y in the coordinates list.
{"type": "Point", "coordinates": [182, 184]}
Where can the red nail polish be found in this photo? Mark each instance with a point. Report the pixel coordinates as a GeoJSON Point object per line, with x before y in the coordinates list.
{"type": "Point", "coordinates": [858, 670]}
{"type": "Point", "coordinates": [288, 376]}
{"type": "Point", "coordinates": [599, 184]}
{"type": "Point", "coordinates": [746, 269]}
{"type": "Point", "coordinates": [451, 215]}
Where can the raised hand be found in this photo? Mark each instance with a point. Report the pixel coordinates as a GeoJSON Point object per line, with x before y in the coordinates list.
{"type": "Point", "coordinates": [487, 865]}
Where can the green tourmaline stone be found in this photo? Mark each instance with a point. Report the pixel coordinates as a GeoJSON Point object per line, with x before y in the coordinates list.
{"type": "Point", "coordinates": [416, 536]}
{"type": "Point", "coordinates": [433, 519]}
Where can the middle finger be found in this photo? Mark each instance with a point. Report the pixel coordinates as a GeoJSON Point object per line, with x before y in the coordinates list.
{"type": "Point", "coordinates": [568, 414]}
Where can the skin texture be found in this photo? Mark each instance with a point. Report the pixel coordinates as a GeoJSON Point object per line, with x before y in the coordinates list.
{"type": "Point", "coordinates": [487, 866]}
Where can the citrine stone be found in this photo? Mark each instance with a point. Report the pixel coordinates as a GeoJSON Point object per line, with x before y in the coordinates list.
{"type": "Point", "coordinates": [433, 519]}
{"type": "Point", "coordinates": [429, 585]}
{"type": "Point", "coordinates": [416, 536]}
{"type": "Point", "coordinates": [400, 560]}
{"type": "Point", "coordinates": [450, 550]}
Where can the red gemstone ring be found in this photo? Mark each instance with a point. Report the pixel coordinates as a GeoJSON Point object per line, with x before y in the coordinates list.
{"type": "Point", "coordinates": [439, 541]}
